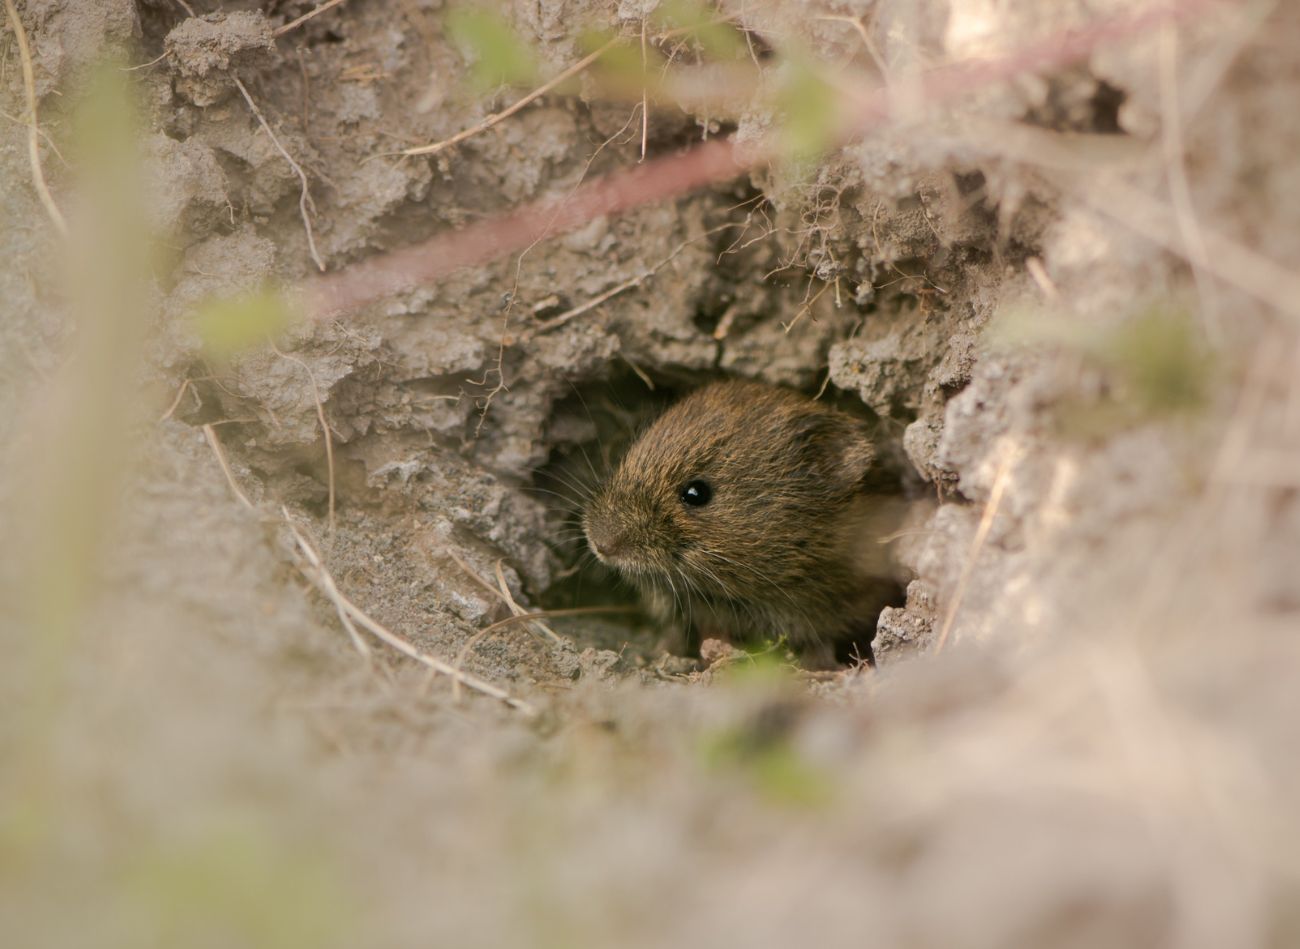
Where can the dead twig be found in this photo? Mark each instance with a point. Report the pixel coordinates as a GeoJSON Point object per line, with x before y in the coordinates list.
{"type": "Point", "coordinates": [19, 120]}
{"type": "Point", "coordinates": [1064, 162]}
{"type": "Point", "coordinates": [153, 62]}
{"type": "Point", "coordinates": [294, 24]}
{"type": "Point", "coordinates": [502, 592]}
{"type": "Point", "coordinates": [1233, 263]}
{"type": "Point", "coordinates": [324, 427]}
{"type": "Point", "coordinates": [548, 325]}
{"type": "Point", "coordinates": [544, 614]}
{"type": "Point", "coordinates": [305, 203]}
{"type": "Point", "coordinates": [499, 370]}
{"type": "Point", "coordinates": [806, 308]}
{"type": "Point", "coordinates": [325, 583]}
{"type": "Point", "coordinates": [33, 126]}
{"type": "Point", "coordinates": [977, 544]}
{"type": "Point", "coordinates": [211, 434]}
{"type": "Point", "coordinates": [497, 117]}
{"type": "Point", "coordinates": [516, 608]}
{"type": "Point", "coordinates": [1180, 189]}
{"type": "Point", "coordinates": [556, 321]}
{"type": "Point", "coordinates": [352, 615]}
{"type": "Point", "coordinates": [872, 50]}
{"type": "Point", "coordinates": [176, 402]}
{"type": "Point", "coordinates": [645, 96]}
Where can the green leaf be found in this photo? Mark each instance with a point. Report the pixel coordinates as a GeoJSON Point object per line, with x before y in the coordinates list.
{"type": "Point", "coordinates": [810, 114]}
{"type": "Point", "coordinates": [231, 325]}
{"type": "Point", "coordinates": [702, 24]}
{"type": "Point", "coordinates": [1161, 360]}
{"type": "Point", "coordinates": [496, 53]}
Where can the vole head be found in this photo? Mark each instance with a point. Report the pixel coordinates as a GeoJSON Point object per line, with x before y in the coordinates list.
{"type": "Point", "coordinates": [738, 489]}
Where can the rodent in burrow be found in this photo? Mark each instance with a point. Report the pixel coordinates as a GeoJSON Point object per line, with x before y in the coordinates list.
{"type": "Point", "coordinates": [744, 511]}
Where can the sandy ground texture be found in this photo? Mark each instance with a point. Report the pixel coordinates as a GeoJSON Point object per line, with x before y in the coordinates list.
{"type": "Point", "coordinates": [1067, 298]}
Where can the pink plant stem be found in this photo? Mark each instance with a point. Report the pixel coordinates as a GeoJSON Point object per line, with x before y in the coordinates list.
{"type": "Point", "coordinates": [346, 291]}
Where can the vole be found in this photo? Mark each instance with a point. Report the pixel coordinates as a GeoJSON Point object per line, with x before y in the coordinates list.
{"type": "Point", "coordinates": [744, 510]}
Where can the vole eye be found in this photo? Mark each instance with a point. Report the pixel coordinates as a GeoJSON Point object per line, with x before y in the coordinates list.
{"type": "Point", "coordinates": [696, 493]}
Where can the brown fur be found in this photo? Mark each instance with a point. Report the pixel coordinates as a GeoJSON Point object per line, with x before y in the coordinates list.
{"type": "Point", "coordinates": [777, 551]}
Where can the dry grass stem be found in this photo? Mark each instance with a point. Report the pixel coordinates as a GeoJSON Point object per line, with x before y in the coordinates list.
{"type": "Point", "coordinates": [557, 321]}
{"type": "Point", "coordinates": [53, 146]}
{"type": "Point", "coordinates": [324, 427]}
{"type": "Point", "coordinates": [33, 125]}
{"type": "Point", "coordinates": [294, 24]}
{"type": "Point", "coordinates": [461, 656]}
{"type": "Point", "coordinates": [1034, 265]}
{"type": "Point", "coordinates": [639, 372]}
{"type": "Point", "coordinates": [1235, 264]}
{"type": "Point", "coordinates": [305, 204]}
{"type": "Point", "coordinates": [472, 573]}
{"type": "Point", "coordinates": [497, 117]}
{"type": "Point", "coordinates": [153, 62]}
{"type": "Point", "coordinates": [977, 544]}
{"type": "Point", "coordinates": [516, 608]}
{"type": "Point", "coordinates": [1180, 190]}
{"type": "Point", "coordinates": [805, 309]}
{"type": "Point", "coordinates": [325, 583]}
{"type": "Point", "coordinates": [176, 402]}
{"type": "Point", "coordinates": [543, 614]}
{"type": "Point", "coordinates": [502, 592]}
{"type": "Point", "coordinates": [211, 434]}
{"type": "Point", "coordinates": [872, 50]}
{"type": "Point", "coordinates": [1089, 171]}
{"type": "Point", "coordinates": [645, 97]}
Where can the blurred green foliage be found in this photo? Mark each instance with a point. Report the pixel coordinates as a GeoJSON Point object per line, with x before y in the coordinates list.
{"type": "Point", "coordinates": [764, 755]}
{"type": "Point", "coordinates": [1160, 358]}
{"type": "Point", "coordinates": [809, 111]}
{"type": "Point", "coordinates": [237, 886]}
{"type": "Point", "coordinates": [701, 24]}
{"type": "Point", "coordinates": [228, 326]}
{"type": "Point", "coordinates": [623, 70]}
{"type": "Point", "coordinates": [632, 65]}
{"type": "Point", "coordinates": [497, 55]}
{"type": "Point", "coordinates": [760, 747]}
{"type": "Point", "coordinates": [1153, 361]}
{"type": "Point", "coordinates": [80, 429]}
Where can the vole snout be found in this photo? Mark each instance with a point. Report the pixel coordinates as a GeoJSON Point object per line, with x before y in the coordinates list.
{"type": "Point", "coordinates": [624, 530]}
{"type": "Point", "coordinates": [606, 542]}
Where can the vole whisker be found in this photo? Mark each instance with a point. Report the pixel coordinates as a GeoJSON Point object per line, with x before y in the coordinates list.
{"type": "Point", "coordinates": [750, 568]}
{"type": "Point", "coordinates": [584, 491]}
{"type": "Point", "coordinates": [575, 504]}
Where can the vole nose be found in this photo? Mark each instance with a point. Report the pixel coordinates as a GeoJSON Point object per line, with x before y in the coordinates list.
{"type": "Point", "coordinates": [606, 544]}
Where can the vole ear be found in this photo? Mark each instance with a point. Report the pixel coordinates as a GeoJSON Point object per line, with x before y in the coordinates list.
{"type": "Point", "coordinates": [839, 447]}
{"type": "Point", "coordinates": [857, 453]}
